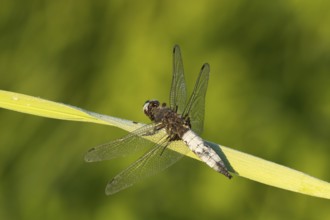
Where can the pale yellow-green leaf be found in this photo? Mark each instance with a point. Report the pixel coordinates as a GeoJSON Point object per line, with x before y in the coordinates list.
{"type": "Point", "coordinates": [41, 107]}
{"type": "Point", "coordinates": [240, 163]}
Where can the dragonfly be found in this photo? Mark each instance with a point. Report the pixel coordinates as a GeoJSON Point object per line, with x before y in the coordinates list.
{"type": "Point", "coordinates": [181, 121]}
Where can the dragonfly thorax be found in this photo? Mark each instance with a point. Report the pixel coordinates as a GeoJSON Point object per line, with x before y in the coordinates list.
{"type": "Point", "coordinates": [174, 124]}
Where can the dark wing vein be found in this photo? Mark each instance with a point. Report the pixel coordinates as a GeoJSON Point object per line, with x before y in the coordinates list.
{"type": "Point", "coordinates": [196, 104]}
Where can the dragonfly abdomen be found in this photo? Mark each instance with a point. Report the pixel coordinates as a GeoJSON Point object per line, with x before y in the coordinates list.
{"type": "Point", "coordinates": [205, 153]}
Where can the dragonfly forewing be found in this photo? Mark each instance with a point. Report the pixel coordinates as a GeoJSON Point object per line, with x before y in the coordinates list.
{"type": "Point", "coordinates": [137, 141]}
{"type": "Point", "coordinates": [178, 93]}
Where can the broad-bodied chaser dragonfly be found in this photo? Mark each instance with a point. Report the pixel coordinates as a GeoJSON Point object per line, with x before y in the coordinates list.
{"type": "Point", "coordinates": [181, 121]}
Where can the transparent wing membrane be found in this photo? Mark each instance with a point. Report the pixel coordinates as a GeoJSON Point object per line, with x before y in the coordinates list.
{"type": "Point", "coordinates": [178, 93]}
{"type": "Point", "coordinates": [129, 144]}
{"type": "Point", "coordinates": [196, 104]}
{"type": "Point", "coordinates": [154, 161]}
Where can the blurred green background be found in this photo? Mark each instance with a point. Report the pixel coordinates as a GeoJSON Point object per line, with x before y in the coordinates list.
{"type": "Point", "coordinates": [269, 95]}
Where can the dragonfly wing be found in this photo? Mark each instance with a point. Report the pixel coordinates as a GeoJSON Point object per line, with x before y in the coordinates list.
{"type": "Point", "coordinates": [149, 164]}
{"type": "Point", "coordinates": [129, 144]}
{"type": "Point", "coordinates": [178, 94]}
{"type": "Point", "coordinates": [196, 104]}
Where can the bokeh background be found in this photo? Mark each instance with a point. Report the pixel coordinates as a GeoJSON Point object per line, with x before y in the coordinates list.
{"type": "Point", "coordinates": [269, 95]}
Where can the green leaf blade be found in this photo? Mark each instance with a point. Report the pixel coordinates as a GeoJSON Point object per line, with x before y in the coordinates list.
{"type": "Point", "coordinates": [242, 164]}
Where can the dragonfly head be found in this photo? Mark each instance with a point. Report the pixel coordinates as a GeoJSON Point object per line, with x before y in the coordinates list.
{"type": "Point", "coordinates": [148, 107]}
